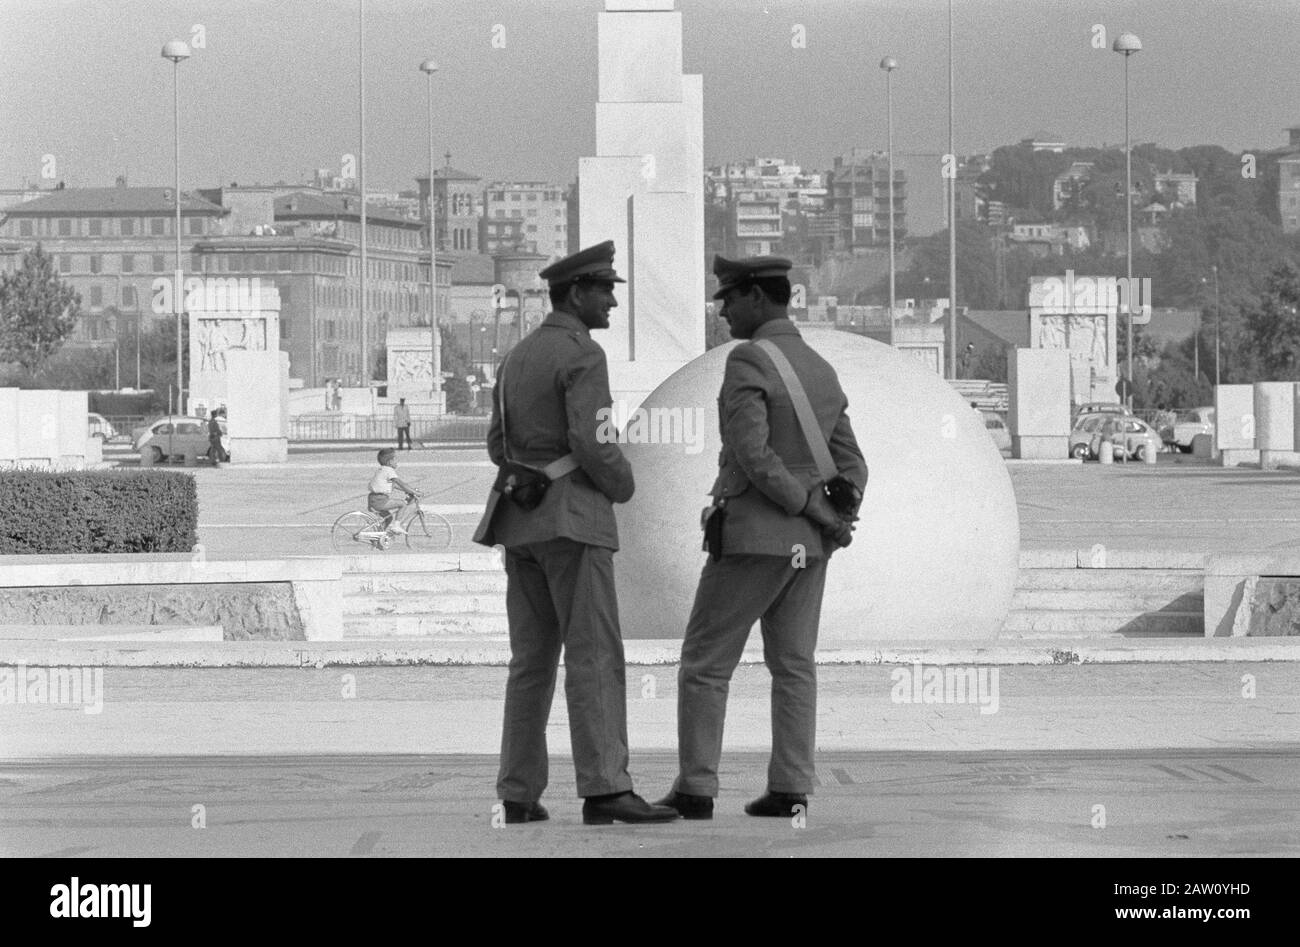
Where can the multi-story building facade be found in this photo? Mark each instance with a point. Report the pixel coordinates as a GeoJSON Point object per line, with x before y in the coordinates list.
{"type": "Point", "coordinates": [755, 224]}
{"type": "Point", "coordinates": [541, 208]}
{"type": "Point", "coordinates": [110, 244]}
{"type": "Point", "coordinates": [859, 194]}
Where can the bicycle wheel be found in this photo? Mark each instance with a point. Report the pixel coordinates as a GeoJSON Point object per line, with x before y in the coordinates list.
{"type": "Point", "coordinates": [427, 531]}
{"type": "Point", "coordinates": [347, 528]}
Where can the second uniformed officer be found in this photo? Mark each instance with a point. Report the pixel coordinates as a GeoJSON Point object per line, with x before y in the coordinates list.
{"type": "Point", "coordinates": [771, 534]}
{"type": "Point", "coordinates": [560, 536]}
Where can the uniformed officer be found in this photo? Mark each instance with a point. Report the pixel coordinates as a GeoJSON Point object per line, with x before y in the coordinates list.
{"type": "Point", "coordinates": [559, 556]}
{"type": "Point", "coordinates": [777, 535]}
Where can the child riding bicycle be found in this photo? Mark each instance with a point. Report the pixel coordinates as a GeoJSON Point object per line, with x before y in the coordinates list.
{"type": "Point", "coordinates": [381, 493]}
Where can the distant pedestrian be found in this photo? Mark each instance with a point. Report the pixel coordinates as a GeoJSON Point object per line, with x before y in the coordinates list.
{"type": "Point", "coordinates": [402, 418]}
{"type": "Point", "coordinates": [216, 453]}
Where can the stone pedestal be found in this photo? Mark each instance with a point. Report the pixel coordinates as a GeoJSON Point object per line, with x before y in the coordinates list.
{"type": "Point", "coordinates": [410, 371]}
{"type": "Point", "coordinates": [45, 429]}
{"type": "Point", "coordinates": [1039, 394]}
{"type": "Point", "coordinates": [1234, 425]}
{"type": "Point", "coordinates": [1275, 423]}
{"type": "Point", "coordinates": [257, 410]}
{"type": "Point", "coordinates": [241, 318]}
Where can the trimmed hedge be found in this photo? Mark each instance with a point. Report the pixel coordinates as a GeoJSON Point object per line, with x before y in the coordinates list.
{"type": "Point", "coordinates": [88, 511]}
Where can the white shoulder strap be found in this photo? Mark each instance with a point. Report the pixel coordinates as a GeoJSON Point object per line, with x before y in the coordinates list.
{"type": "Point", "coordinates": [821, 454]}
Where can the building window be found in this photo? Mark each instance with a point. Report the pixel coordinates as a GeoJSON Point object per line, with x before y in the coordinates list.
{"type": "Point", "coordinates": [96, 227]}
{"type": "Point", "coordinates": [514, 197]}
{"type": "Point", "coordinates": [158, 226]}
{"type": "Point", "coordinates": [96, 263]}
{"type": "Point", "coordinates": [236, 263]}
{"type": "Point", "coordinates": [159, 263]}
{"type": "Point", "coordinates": [532, 228]}
{"type": "Point", "coordinates": [284, 262]}
{"type": "Point", "coordinates": [128, 297]}
{"type": "Point", "coordinates": [195, 225]}
{"type": "Point", "coordinates": [96, 297]}
{"type": "Point", "coordinates": [65, 263]}
{"type": "Point", "coordinates": [24, 228]}
{"type": "Point", "coordinates": [128, 263]}
{"type": "Point", "coordinates": [126, 227]}
{"type": "Point", "coordinates": [65, 227]}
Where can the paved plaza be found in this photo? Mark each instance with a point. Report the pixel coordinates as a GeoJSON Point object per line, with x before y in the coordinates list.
{"type": "Point", "coordinates": [1180, 761]}
{"type": "Point", "coordinates": [1181, 503]}
{"type": "Point", "coordinates": [1078, 760]}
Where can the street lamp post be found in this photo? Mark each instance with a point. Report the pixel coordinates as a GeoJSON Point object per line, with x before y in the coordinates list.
{"type": "Point", "coordinates": [177, 52]}
{"type": "Point", "coordinates": [429, 67]}
{"type": "Point", "coordinates": [1128, 44]}
{"type": "Point", "coordinates": [952, 215]}
{"type": "Point", "coordinates": [1218, 319]}
{"type": "Point", "coordinates": [889, 64]}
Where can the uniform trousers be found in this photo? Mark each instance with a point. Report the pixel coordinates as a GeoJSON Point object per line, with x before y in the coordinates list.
{"type": "Point", "coordinates": [561, 593]}
{"type": "Point", "coordinates": [734, 592]}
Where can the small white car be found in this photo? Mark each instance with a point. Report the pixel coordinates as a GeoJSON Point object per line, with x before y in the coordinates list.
{"type": "Point", "coordinates": [176, 436]}
{"type": "Point", "coordinates": [98, 426]}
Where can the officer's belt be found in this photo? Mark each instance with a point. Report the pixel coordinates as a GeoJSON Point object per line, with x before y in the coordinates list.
{"type": "Point", "coordinates": [556, 469]}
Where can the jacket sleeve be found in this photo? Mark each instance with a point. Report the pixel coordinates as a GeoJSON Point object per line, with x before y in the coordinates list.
{"type": "Point", "coordinates": [586, 393]}
{"type": "Point", "coordinates": [845, 450]}
{"type": "Point", "coordinates": [744, 403]}
{"type": "Point", "coordinates": [496, 433]}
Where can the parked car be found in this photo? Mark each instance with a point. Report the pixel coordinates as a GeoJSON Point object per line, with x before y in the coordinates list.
{"type": "Point", "coordinates": [98, 426]}
{"type": "Point", "coordinates": [175, 435]}
{"type": "Point", "coordinates": [1187, 424]}
{"type": "Point", "coordinates": [1081, 435]}
{"type": "Point", "coordinates": [1129, 437]}
{"type": "Point", "coordinates": [997, 429]}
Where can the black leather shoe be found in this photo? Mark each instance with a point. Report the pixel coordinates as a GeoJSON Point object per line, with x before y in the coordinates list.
{"type": "Point", "coordinates": [688, 806]}
{"type": "Point", "coordinates": [517, 812]}
{"type": "Point", "coordinates": [624, 807]}
{"type": "Point", "coordinates": [779, 804]}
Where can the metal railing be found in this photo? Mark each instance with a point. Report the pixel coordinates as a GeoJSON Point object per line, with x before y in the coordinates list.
{"type": "Point", "coordinates": [350, 427]}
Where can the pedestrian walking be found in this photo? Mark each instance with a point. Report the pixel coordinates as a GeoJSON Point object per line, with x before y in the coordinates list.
{"type": "Point", "coordinates": [552, 510]}
{"type": "Point", "coordinates": [216, 453]}
{"type": "Point", "coordinates": [402, 418]}
{"type": "Point", "coordinates": [789, 483]}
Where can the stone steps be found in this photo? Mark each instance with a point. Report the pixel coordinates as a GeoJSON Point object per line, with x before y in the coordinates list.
{"type": "Point", "coordinates": [1038, 623]}
{"type": "Point", "coordinates": [1114, 600]}
{"type": "Point", "coordinates": [1059, 594]}
{"type": "Point", "coordinates": [428, 625]}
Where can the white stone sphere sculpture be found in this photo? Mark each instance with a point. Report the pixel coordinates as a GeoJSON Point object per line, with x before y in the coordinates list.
{"type": "Point", "coordinates": [936, 550]}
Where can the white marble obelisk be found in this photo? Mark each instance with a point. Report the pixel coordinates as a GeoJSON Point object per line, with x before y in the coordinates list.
{"type": "Point", "coordinates": [644, 189]}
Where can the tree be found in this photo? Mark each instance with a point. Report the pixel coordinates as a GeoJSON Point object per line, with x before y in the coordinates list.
{"type": "Point", "coordinates": [1273, 327]}
{"type": "Point", "coordinates": [454, 360]}
{"type": "Point", "coordinates": [37, 311]}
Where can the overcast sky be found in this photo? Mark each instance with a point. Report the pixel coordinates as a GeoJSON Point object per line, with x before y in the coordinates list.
{"type": "Point", "coordinates": [273, 95]}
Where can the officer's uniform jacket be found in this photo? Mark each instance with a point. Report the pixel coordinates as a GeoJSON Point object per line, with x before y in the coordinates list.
{"type": "Point", "coordinates": [555, 381]}
{"type": "Point", "coordinates": [765, 468]}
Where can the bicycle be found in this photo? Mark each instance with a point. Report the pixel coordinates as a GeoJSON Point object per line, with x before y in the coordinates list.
{"type": "Point", "coordinates": [424, 530]}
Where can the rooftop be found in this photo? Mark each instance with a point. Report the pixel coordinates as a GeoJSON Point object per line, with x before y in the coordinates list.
{"type": "Point", "coordinates": [109, 201]}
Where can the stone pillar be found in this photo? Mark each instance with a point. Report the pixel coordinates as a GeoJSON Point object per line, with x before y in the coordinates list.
{"type": "Point", "coordinates": [1275, 423]}
{"type": "Point", "coordinates": [1234, 424]}
{"type": "Point", "coordinates": [257, 412]}
{"type": "Point", "coordinates": [1039, 392]}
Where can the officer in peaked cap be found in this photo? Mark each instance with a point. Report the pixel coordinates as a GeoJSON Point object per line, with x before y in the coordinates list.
{"type": "Point", "coordinates": [770, 533]}
{"type": "Point", "coordinates": [559, 556]}
{"type": "Point", "coordinates": [593, 265]}
{"type": "Point", "coordinates": [732, 273]}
